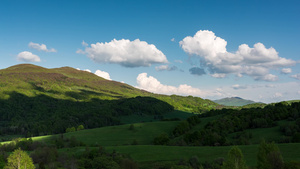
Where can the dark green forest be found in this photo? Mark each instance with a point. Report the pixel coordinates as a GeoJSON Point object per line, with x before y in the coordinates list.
{"type": "Point", "coordinates": [43, 115]}
{"type": "Point", "coordinates": [218, 132]}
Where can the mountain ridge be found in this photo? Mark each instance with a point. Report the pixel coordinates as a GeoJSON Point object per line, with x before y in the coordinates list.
{"type": "Point", "coordinates": [33, 80]}
{"type": "Point", "coordinates": [234, 101]}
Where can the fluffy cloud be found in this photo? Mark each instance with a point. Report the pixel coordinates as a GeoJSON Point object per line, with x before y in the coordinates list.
{"type": "Point", "coordinates": [237, 87]}
{"type": "Point", "coordinates": [255, 62]}
{"type": "Point", "coordinates": [267, 77]}
{"type": "Point", "coordinates": [167, 68]}
{"type": "Point", "coordinates": [204, 43]}
{"type": "Point", "coordinates": [87, 70]}
{"type": "Point", "coordinates": [151, 84]}
{"type": "Point", "coordinates": [99, 73]}
{"type": "Point", "coordinates": [103, 74]}
{"type": "Point", "coordinates": [218, 75]}
{"type": "Point", "coordinates": [197, 71]}
{"type": "Point", "coordinates": [41, 47]}
{"type": "Point", "coordinates": [125, 52]}
{"type": "Point", "coordinates": [28, 57]}
{"type": "Point", "coordinates": [286, 70]}
{"type": "Point", "coordinates": [296, 76]}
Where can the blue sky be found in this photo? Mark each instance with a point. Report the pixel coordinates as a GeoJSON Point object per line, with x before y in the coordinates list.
{"type": "Point", "coordinates": [210, 49]}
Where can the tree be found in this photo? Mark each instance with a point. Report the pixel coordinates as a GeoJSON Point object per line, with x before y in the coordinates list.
{"type": "Point", "coordinates": [80, 127]}
{"type": "Point", "coordinates": [71, 129]}
{"type": "Point", "coordinates": [162, 139]}
{"type": "Point", "coordinates": [19, 160]}
{"type": "Point", "coordinates": [269, 156]}
{"type": "Point", "coordinates": [104, 163]}
{"type": "Point", "coordinates": [235, 159]}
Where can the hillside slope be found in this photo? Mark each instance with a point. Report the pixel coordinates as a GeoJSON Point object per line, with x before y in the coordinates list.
{"type": "Point", "coordinates": [37, 101]}
{"type": "Point", "coordinates": [233, 101]}
{"type": "Point", "coordinates": [72, 84]}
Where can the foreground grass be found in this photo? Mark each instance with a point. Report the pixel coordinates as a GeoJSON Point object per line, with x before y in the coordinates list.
{"type": "Point", "coordinates": [146, 154]}
{"type": "Point", "coordinates": [142, 134]}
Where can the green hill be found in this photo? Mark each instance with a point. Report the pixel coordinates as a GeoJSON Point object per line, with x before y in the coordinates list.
{"type": "Point", "coordinates": [38, 101]}
{"type": "Point", "coordinates": [75, 85]}
{"type": "Point", "coordinates": [233, 101]}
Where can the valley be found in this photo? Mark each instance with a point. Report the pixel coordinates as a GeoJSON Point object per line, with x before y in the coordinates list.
{"type": "Point", "coordinates": [86, 121]}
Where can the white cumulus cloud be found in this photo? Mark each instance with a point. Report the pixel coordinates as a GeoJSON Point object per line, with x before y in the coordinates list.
{"type": "Point", "coordinates": [218, 75]}
{"type": "Point", "coordinates": [41, 47]}
{"type": "Point", "coordinates": [255, 62]}
{"type": "Point", "coordinates": [87, 70]}
{"type": "Point", "coordinates": [267, 77]}
{"type": "Point", "coordinates": [286, 70]}
{"type": "Point", "coordinates": [167, 68]}
{"type": "Point", "coordinates": [125, 52]}
{"type": "Point", "coordinates": [99, 73]}
{"type": "Point", "coordinates": [151, 84]}
{"type": "Point", "coordinates": [103, 74]}
{"type": "Point", "coordinates": [237, 86]}
{"type": "Point", "coordinates": [28, 57]}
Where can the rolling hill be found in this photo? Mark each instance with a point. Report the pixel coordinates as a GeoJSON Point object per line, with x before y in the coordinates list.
{"type": "Point", "coordinates": [233, 101]}
{"type": "Point", "coordinates": [75, 85]}
{"type": "Point", "coordinates": [38, 101]}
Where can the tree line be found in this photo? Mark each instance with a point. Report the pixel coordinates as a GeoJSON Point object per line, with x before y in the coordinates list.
{"type": "Point", "coordinates": [228, 121]}
{"type": "Point", "coordinates": [44, 115]}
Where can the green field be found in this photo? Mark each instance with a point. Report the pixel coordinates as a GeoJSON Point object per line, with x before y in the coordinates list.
{"type": "Point", "coordinates": [143, 134]}
{"type": "Point", "coordinates": [146, 154]}
{"type": "Point", "coordinates": [120, 139]}
{"type": "Point", "coordinates": [290, 152]}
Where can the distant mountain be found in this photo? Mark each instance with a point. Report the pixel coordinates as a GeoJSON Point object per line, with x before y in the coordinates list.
{"type": "Point", "coordinates": [233, 101]}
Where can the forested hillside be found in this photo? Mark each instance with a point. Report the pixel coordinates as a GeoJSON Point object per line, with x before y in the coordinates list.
{"type": "Point", "coordinates": [278, 122]}
{"type": "Point", "coordinates": [38, 101]}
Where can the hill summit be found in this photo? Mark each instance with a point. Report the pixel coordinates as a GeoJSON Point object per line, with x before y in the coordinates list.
{"type": "Point", "coordinates": [234, 101]}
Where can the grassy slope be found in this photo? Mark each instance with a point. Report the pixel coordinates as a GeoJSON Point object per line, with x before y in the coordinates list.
{"type": "Point", "coordinates": [72, 84]}
{"type": "Point", "coordinates": [143, 133]}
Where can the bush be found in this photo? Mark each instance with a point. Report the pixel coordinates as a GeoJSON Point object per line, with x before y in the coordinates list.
{"type": "Point", "coordinates": [162, 139]}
